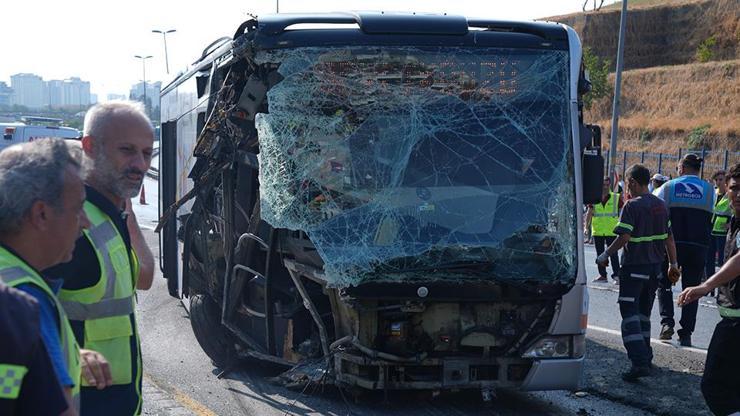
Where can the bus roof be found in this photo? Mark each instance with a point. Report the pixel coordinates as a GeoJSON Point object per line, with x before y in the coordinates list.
{"type": "Point", "coordinates": [293, 30]}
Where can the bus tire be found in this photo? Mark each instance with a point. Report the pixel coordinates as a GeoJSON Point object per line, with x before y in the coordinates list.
{"type": "Point", "coordinates": [213, 337]}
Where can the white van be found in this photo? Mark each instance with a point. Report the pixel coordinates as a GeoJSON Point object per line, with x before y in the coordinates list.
{"type": "Point", "coordinates": [14, 133]}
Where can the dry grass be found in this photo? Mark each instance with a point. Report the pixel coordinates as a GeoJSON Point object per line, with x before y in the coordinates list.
{"type": "Point", "coordinates": [671, 95]}
{"type": "Point", "coordinates": [640, 4]}
{"type": "Point", "coordinates": [662, 33]}
{"type": "Point", "coordinates": [671, 101]}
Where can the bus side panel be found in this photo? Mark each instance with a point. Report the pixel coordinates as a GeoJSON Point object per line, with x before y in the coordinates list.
{"type": "Point", "coordinates": [168, 260]}
{"type": "Point", "coordinates": [180, 107]}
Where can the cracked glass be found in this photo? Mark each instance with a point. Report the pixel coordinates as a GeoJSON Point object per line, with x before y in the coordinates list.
{"type": "Point", "coordinates": [407, 164]}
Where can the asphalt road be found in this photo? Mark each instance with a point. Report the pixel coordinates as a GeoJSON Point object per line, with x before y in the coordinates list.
{"type": "Point", "coordinates": [180, 379]}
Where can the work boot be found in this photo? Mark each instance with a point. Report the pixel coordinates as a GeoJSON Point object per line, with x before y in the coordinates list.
{"type": "Point", "coordinates": [635, 372]}
{"type": "Point", "coordinates": [601, 278]}
{"type": "Point", "coordinates": [666, 333]}
{"type": "Point", "coordinates": [684, 340]}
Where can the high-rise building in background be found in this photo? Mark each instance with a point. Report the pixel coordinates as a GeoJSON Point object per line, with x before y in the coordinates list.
{"type": "Point", "coordinates": [152, 93]}
{"type": "Point", "coordinates": [28, 90]}
{"type": "Point", "coordinates": [32, 91]}
{"type": "Point", "coordinates": [76, 93]}
{"type": "Point", "coordinates": [6, 94]}
{"type": "Point", "coordinates": [55, 92]}
{"type": "Point", "coordinates": [114, 97]}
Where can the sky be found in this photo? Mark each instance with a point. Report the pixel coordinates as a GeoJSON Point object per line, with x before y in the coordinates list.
{"type": "Point", "coordinates": [97, 40]}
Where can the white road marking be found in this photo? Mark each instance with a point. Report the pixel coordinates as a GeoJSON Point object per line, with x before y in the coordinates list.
{"type": "Point", "coordinates": [615, 288]}
{"type": "Point", "coordinates": [652, 340]}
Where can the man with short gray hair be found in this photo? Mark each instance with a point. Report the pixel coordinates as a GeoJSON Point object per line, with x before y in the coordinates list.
{"type": "Point", "coordinates": [117, 147]}
{"type": "Point", "coordinates": [41, 216]}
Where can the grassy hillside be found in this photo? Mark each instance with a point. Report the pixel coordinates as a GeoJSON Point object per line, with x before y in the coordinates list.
{"type": "Point", "coordinates": [637, 4]}
{"type": "Point", "coordinates": [661, 32]}
{"type": "Point", "coordinates": [681, 87]}
{"type": "Point", "coordinates": [662, 106]}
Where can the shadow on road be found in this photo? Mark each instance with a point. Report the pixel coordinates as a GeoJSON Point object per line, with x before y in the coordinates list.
{"type": "Point", "coordinates": [316, 398]}
{"type": "Point", "coordinates": [666, 392]}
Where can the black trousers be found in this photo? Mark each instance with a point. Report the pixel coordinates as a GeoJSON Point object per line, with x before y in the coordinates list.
{"type": "Point", "coordinates": [637, 286]}
{"type": "Point", "coordinates": [716, 252]}
{"type": "Point", "coordinates": [720, 384]}
{"type": "Point", "coordinates": [601, 243]}
{"type": "Point", "coordinates": [691, 275]}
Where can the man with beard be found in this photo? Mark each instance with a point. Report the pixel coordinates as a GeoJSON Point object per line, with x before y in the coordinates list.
{"type": "Point", "coordinates": [111, 260]}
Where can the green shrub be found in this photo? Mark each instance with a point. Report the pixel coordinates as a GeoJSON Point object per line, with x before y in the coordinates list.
{"type": "Point", "coordinates": [645, 136]}
{"type": "Point", "coordinates": [697, 137]}
{"type": "Point", "coordinates": [598, 71]}
{"type": "Point", "coordinates": [704, 52]}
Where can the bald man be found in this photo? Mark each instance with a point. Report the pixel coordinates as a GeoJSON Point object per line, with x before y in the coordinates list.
{"type": "Point", "coordinates": [111, 260]}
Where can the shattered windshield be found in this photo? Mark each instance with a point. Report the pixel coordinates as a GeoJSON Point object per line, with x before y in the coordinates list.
{"type": "Point", "coordinates": [404, 163]}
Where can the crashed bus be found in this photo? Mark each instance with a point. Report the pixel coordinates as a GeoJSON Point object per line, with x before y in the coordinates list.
{"type": "Point", "coordinates": [382, 200]}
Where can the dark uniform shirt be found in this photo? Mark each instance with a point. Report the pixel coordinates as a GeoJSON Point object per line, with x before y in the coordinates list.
{"type": "Point", "coordinates": [729, 294]}
{"type": "Point", "coordinates": [645, 218]}
{"type": "Point", "coordinates": [21, 345]}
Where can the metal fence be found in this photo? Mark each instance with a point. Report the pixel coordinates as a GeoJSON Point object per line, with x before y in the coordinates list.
{"type": "Point", "coordinates": [665, 163]}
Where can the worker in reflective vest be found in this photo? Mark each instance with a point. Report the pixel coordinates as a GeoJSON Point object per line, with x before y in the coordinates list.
{"type": "Point", "coordinates": [41, 216]}
{"type": "Point", "coordinates": [720, 223]}
{"type": "Point", "coordinates": [720, 383]}
{"type": "Point", "coordinates": [16, 272]}
{"type": "Point", "coordinates": [645, 235]}
{"type": "Point", "coordinates": [690, 201]}
{"type": "Point", "coordinates": [26, 372]}
{"type": "Point", "coordinates": [603, 217]}
{"type": "Point", "coordinates": [111, 260]}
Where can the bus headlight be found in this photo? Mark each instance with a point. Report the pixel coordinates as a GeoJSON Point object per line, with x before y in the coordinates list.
{"type": "Point", "coordinates": [563, 346]}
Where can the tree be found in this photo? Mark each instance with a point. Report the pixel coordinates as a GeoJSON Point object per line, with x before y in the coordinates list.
{"type": "Point", "coordinates": [598, 71]}
{"type": "Point", "coordinates": [596, 8]}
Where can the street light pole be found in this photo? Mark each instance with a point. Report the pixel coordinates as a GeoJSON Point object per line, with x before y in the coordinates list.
{"type": "Point", "coordinates": [164, 37]}
{"type": "Point", "coordinates": [617, 93]}
{"type": "Point", "coordinates": [143, 65]}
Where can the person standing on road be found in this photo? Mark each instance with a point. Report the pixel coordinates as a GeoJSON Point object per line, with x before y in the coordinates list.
{"type": "Point", "coordinates": [720, 223]}
{"type": "Point", "coordinates": [602, 218]}
{"type": "Point", "coordinates": [656, 182]}
{"type": "Point", "coordinates": [26, 372]}
{"type": "Point", "coordinates": [720, 383]}
{"type": "Point", "coordinates": [645, 235]}
{"type": "Point", "coordinates": [111, 260]}
{"type": "Point", "coordinates": [690, 202]}
{"type": "Point", "coordinates": [41, 216]}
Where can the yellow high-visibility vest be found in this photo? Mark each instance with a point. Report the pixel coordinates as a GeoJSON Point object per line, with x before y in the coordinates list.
{"type": "Point", "coordinates": [15, 272]}
{"type": "Point", "coordinates": [722, 215]}
{"type": "Point", "coordinates": [107, 308]}
{"type": "Point", "coordinates": [605, 217]}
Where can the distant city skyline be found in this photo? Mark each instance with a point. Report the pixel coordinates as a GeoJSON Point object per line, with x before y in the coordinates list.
{"type": "Point", "coordinates": [32, 91]}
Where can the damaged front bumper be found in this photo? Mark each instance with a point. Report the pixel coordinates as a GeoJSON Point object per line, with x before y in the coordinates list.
{"type": "Point", "coordinates": [455, 373]}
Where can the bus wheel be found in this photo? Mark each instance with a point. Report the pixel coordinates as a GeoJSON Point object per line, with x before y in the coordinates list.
{"type": "Point", "coordinates": [214, 338]}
